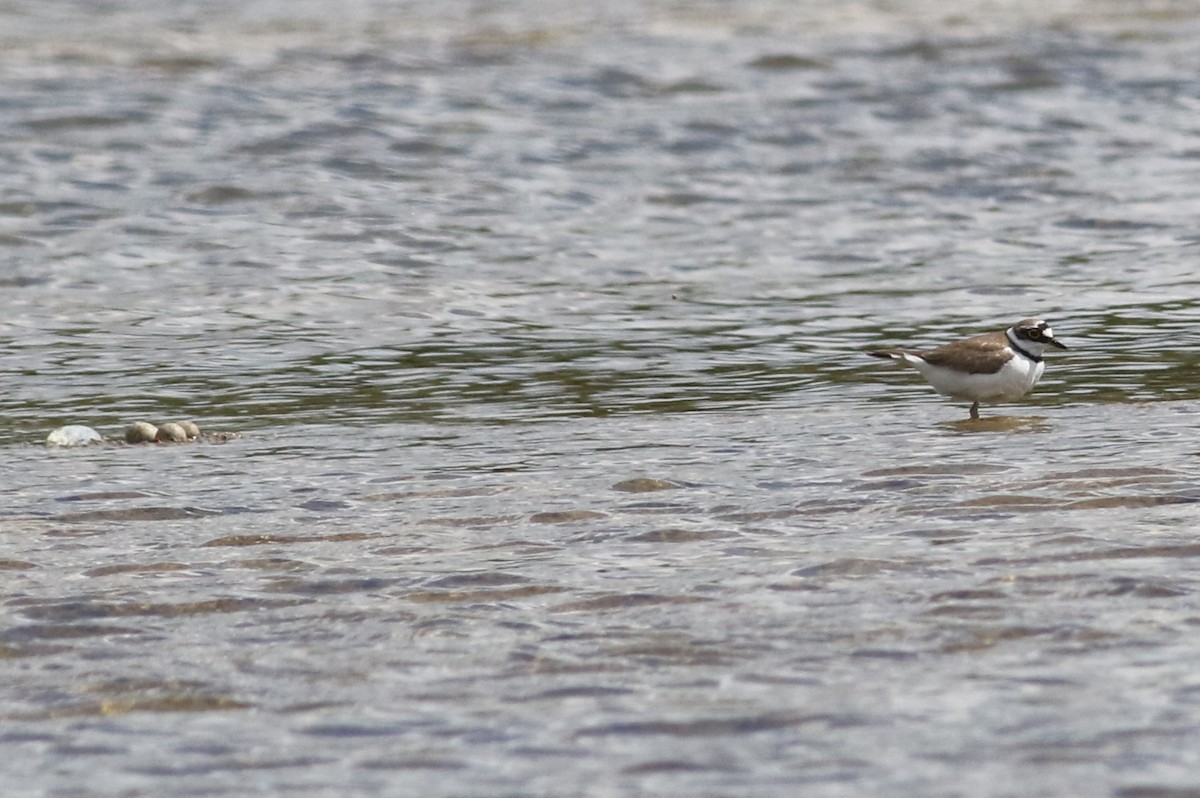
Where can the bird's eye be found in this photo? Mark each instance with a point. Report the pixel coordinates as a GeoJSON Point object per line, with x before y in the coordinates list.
{"type": "Point", "coordinates": [1035, 334]}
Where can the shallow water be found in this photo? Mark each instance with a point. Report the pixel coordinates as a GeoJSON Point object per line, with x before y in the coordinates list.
{"type": "Point", "coordinates": [561, 470]}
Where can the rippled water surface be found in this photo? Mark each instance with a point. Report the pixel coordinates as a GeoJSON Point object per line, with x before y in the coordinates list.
{"type": "Point", "coordinates": [558, 467]}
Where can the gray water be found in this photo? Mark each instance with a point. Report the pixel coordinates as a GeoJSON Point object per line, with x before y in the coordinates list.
{"type": "Point", "coordinates": [559, 469]}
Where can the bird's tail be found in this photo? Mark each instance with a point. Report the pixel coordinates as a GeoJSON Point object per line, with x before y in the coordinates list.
{"type": "Point", "coordinates": [898, 354]}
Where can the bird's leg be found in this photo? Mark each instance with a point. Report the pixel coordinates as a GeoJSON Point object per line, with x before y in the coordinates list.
{"type": "Point", "coordinates": [975, 410]}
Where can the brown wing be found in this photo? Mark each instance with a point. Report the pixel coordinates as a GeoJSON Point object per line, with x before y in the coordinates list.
{"type": "Point", "coordinates": [981, 354]}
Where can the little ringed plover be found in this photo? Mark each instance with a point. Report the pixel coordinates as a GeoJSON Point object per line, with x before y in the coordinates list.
{"type": "Point", "coordinates": [994, 367]}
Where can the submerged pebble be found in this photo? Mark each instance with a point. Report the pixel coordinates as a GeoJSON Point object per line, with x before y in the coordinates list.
{"type": "Point", "coordinates": [171, 433]}
{"type": "Point", "coordinates": [191, 429]}
{"type": "Point", "coordinates": [73, 435]}
{"type": "Point", "coordinates": [140, 432]}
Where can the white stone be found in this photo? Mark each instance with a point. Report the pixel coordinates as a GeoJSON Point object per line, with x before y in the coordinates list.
{"type": "Point", "coordinates": [73, 435]}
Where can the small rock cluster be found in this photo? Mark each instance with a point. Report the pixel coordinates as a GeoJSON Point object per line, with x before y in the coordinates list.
{"type": "Point", "coordinates": [137, 432]}
{"type": "Point", "coordinates": [171, 432]}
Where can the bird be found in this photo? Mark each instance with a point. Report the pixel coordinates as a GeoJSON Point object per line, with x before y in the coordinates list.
{"type": "Point", "coordinates": [999, 366]}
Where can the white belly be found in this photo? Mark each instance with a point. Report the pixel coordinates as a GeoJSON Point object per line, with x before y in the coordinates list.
{"type": "Point", "coordinates": [1012, 381]}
